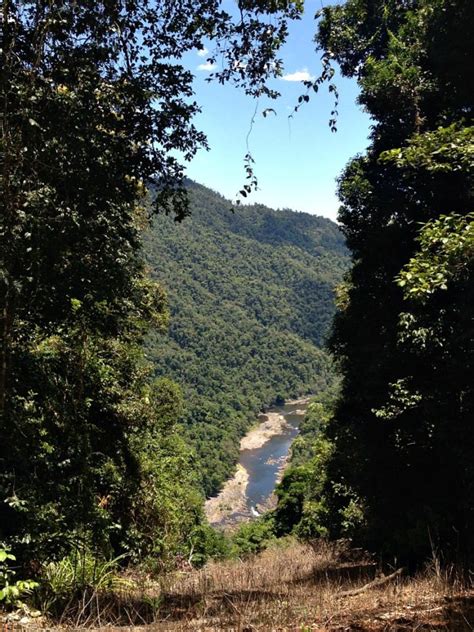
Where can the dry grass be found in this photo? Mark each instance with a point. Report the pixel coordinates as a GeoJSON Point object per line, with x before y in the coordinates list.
{"type": "Point", "coordinates": [297, 588]}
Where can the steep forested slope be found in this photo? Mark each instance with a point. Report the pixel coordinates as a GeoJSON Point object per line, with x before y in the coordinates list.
{"type": "Point", "coordinates": [251, 299]}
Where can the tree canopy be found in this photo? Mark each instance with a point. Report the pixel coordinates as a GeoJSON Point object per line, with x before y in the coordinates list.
{"type": "Point", "coordinates": [95, 104]}
{"type": "Point", "coordinates": [400, 476]}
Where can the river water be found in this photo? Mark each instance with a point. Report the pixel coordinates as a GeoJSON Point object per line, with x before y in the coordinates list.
{"type": "Point", "coordinates": [264, 464]}
{"type": "Point", "coordinates": [250, 491]}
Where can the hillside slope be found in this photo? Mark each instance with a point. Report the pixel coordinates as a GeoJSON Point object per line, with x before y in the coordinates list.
{"type": "Point", "coordinates": [251, 298]}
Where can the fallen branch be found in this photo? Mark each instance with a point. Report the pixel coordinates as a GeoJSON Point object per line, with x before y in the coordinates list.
{"type": "Point", "coordinates": [380, 581]}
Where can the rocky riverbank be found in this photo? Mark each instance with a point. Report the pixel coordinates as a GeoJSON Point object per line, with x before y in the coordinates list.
{"type": "Point", "coordinates": [231, 499]}
{"type": "Point", "coordinates": [231, 504]}
{"type": "Point", "coordinates": [271, 424]}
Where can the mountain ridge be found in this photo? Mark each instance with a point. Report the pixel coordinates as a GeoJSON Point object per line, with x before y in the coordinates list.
{"type": "Point", "coordinates": [251, 295]}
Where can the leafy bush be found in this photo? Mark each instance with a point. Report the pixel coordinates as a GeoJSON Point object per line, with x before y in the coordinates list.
{"type": "Point", "coordinates": [208, 543]}
{"type": "Point", "coordinates": [11, 591]}
{"type": "Point", "coordinates": [75, 576]}
{"type": "Point", "coordinates": [253, 537]}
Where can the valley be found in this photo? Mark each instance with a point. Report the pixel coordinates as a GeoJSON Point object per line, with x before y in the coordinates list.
{"type": "Point", "coordinates": [219, 415]}
{"type": "Point", "coordinates": [251, 297]}
{"type": "Point", "coordinates": [264, 453]}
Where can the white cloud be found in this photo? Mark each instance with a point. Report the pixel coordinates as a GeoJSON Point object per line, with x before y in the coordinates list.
{"type": "Point", "coordinates": [207, 67]}
{"type": "Point", "coordinates": [299, 75]}
{"type": "Point", "coordinates": [202, 52]}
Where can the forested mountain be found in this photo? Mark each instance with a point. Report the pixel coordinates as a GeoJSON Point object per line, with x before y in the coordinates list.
{"type": "Point", "coordinates": [251, 295]}
{"type": "Point", "coordinates": [102, 457]}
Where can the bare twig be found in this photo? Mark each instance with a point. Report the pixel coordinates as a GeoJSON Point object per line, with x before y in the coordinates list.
{"type": "Point", "coordinates": [380, 581]}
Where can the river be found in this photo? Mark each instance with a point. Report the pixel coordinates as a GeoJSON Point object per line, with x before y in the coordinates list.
{"type": "Point", "coordinates": [264, 452]}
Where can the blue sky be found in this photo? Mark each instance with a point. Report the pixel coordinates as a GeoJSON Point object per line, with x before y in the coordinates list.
{"type": "Point", "coordinates": [297, 160]}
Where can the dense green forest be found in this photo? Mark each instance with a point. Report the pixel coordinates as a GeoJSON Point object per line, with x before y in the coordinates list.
{"type": "Point", "coordinates": [94, 101]}
{"type": "Point", "coordinates": [136, 350]}
{"type": "Point", "coordinates": [251, 296]}
{"type": "Point", "coordinates": [390, 458]}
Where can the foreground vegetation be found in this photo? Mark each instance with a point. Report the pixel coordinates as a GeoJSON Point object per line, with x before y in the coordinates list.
{"type": "Point", "coordinates": [293, 586]}
{"type": "Point", "coordinates": [299, 587]}
{"type": "Point", "coordinates": [95, 473]}
{"type": "Point", "coordinates": [94, 103]}
{"type": "Point", "coordinates": [391, 463]}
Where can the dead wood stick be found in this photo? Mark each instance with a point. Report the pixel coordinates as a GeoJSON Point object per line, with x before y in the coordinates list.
{"type": "Point", "coordinates": [376, 582]}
